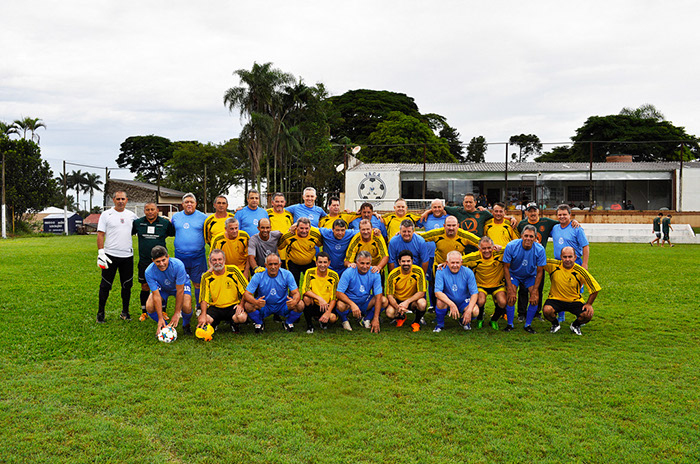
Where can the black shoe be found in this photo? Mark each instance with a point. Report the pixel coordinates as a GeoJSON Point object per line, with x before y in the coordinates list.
{"type": "Point", "coordinates": [235, 329]}
{"type": "Point", "coordinates": [259, 328]}
{"type": "Point", "coordinates": [124, 316]}
{"type": "Point", "coordinates": [529, 329]}
{"type": "Point", "coordinates": [509, 328]}
{"type": "Point", "coordinates": [288, 327]}
{"type": "Point", "coordinates": [521, 318]}
{"type": "Point", "coordinates": [323, 325]}
{"type": "Point", "coordinates": [276, 318]}
{"type": "Point", "coordinates": [186, 329]}
{"type": "Point", "coordinates": [100, 317]}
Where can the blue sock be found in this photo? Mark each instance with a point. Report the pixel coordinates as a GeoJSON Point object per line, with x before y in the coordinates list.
{"type": "Point", "coordinates": [256, 317]}
{"type": "Point", "coordinates": [153, 315]}
{"type": "Point", "coordinates": [343, 315]}
{"type": "Point", "coordinates": [196, 297]}
{"type": "Point", "coordinates": [440, 317]}
{"type": "Point", "coordinates": [186, 319]}
{"type": "Point", "coordinates": [510, 314]}
{"type": "Point", "coordinates": [370, 314]}
{"type": "Point", "coordinates": [531, 310]}
{"type": "Point", "coordinates": [562, 316]}
{"type": "Point", "coordinates": [293, 317]}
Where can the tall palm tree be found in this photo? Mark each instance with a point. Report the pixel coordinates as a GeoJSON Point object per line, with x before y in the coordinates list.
{"type": "Point", "coordinates": [8, 129]}
{"type": "Point", "coordinates": [30, 125]}
{"type": "Point", "coordinates": [254, 100]}
{"type": "Point", "coordinates": [77, 180]}
{"type": "Point", "coordinates": [92, 183]}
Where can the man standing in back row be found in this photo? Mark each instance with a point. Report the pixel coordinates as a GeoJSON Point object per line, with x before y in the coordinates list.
{"type": "Point", "coordinates": [189, 240]}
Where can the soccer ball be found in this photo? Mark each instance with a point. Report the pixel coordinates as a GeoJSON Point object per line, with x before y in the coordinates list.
{"type": "Point", "coordinates": [167, 334]}
{"type": "Point", "coordinates": [205, 333]}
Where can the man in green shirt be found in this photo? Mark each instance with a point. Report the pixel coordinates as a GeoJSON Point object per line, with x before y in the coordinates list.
{"type": "Point", "coordinates": [665, 228]}
{"type": "Point", "coordinates": [151, 230]}
{"type": "Point", "coordinates": [657, 230]}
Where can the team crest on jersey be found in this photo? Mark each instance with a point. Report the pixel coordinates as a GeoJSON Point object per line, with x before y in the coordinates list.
{"type": "Point", "coordinates": [338, 247]}
{"type": "Point", "coordinates": [362, 288]}
{"type": "Point", "coordinates": [541, 228]}
{"type": "Point", "coordinates": [476, 215]}
{"type": "Point", "coordinates": [167, 282]}
{"type": "Point", "coordinates": [186, 225]}
{"type": "Point", "coordinates": [561, 240]}
{"type": "Point", "coordinates": [273, 292]}
{"type": "Point", "coordinates": [524, 262]}
{"type": "Point", "coordinates": [122, 220]}
{"type": "Point", "coordinates": [255, 222]}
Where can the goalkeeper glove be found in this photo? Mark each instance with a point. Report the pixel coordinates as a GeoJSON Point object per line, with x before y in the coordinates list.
{"type": "Point", "coordinates": [102, 259]}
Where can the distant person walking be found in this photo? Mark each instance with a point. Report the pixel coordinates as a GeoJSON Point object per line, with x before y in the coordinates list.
{"type": "Point", "coordinates": [665, 228]}
{"type": "Point", "coordinates": [656, 228]}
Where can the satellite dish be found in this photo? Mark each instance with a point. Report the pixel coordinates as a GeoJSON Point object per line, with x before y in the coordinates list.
{"type": "Point", "coordinates": [356, 150]}
{"type": "Point", "coordinates": [340, 167]}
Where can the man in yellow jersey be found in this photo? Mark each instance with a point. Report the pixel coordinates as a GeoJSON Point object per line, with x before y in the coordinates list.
{"type": "Point", "coordinates": [214, 224]}
{"type": "Point", "coordinates": [500, 230]}
{"type": "Point", "coordinates": [366, 240]}
{"type": "Point", "coordinates": [234, 242]}
{"type": "Point", "coordinates": [567, 278]}
{"type": "Point", "coordinates": [405, 289]}
{"type": "Point", "coordinates": [280, 219]}
{"type": "Point", "coordinates": [300, 246]}
{"type": "Point", "coordinates": [392, 221]}
{"type": "Point", "coordinates": [450, 238]}
{"type": "Point", "coordinates": [488, 269]}
{"type": "Point", "coordinates": [222, 291]}
{"type": "Point", "coordinates": [318, 287]}
{"type": "Point", "coordinates": [335, 213]}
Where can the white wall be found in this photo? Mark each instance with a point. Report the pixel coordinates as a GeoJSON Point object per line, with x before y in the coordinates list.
{"type": "Point", "coordinates": [381, 188]}
{"type": "Point", "coordinates": [691, 189]}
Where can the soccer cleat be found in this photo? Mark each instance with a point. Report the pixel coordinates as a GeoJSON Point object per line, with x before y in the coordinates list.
{"type": "Point", "coordinates": [529, 329]}
{"type": "Point", "coordinates": [479, 323]}
{"type": "Point", "coordinates": [416, 327]}
{"type": "Point", "coordinates": [346, 326]}
{"type": "Point", "coordinates": [509, 328]}
{"type": "Point", "coordinates": [276, 318]}
{"type": "Point", "coordinates": [366, 323]}
{"type": "Point", "coordinates": [234, 328]}
{"type": "Point", "coordinates": [258, 328]}
{"type": "Point", "coordinates": [323, 325]}
{"type": "Point", "coordinates": [431, 309]}
{"type": "Point", "coordinates": [167, 318]}
{"type": "Point", "coordinates": [467, 326]}
{"type": "Point", "coordinates": [521, 318]}
{"type": "Point", "coordinates": [555, 328]}
{"type": "Point", "coordinates": [310, 330]}
{"type": "Point", "coordinates": [422, 321]}
{"type": "Point", "coordinates": [100, 317]}
{"type": "Point", "coordinates": [125, 316]}
{"type": "Point", "coordinates": [143, 317]}
{"type": "Point", "coordinates": [400, 322]}
{"type": "Point", "coordinates": [494, 325]}
{"type": "Point", "coordinates": [198, 312]}
{"type": "Point", "coordinates": [575, 329]}
{"type": "Point", "coordinates": [437, 329]}
{"type": "Point", "coordinates": [288, 327]}
{"type": "Point", "coordinates": [186, 329]}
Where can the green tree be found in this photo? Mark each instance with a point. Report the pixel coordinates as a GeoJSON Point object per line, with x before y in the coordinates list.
{"type": "Point", "coordinates": [146, 155]}
{"type": "Point", "coordinates": [78, 181]}
{"type": "Point", "coordinates": [476, 150]}
{"type": "Point", "coordinates": [556, 154]}
{"type": "Point", "coordinates": [401, 139]}
{"type": "Point", "coordinates": [528, 144]}
{"type": "Point", "coordinates": [255, 100]}
{"type": "Point", "coordinates": [30, 125]}
{"type": "Point", "coordinates": [7, 129]}
{"type": "Point", "coordinates": [646, 111]}
{"type": "Point", "coordinates": [29, 182]}
{"type": "Point", "coordinates": [92, 184]}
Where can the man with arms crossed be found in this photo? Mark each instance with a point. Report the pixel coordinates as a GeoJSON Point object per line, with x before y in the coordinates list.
{"type": "Point", "coordinates": [151, 230]}
{"type": "Point", "coordinates": [523, 264]}
{"type": "Point", "coordinates": [318, 287]}
{"type": "Point", "coordinates": [567, 279]}
{"type": "Point", "coordinates": [167, 277]}
{"type": "Point", "coordinates": [360, 291]}
{"type": "Point", "coordinates": [405, 290]}
{"type": "Point", "coordinates": [115, 253]}
{"type": "Point", "coordinates": [456, 292]}
{"type": "Point", "coordinates": [222, 293]}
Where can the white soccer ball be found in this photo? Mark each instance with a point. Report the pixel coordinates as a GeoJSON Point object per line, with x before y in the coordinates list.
{"type": "Point", "coordinates": [167, 334]}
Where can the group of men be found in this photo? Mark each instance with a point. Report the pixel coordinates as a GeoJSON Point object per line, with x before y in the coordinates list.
{"type": "Point", "coordinates": [659, 225]}
{"type": "Point", "coordinates": [269, 263]}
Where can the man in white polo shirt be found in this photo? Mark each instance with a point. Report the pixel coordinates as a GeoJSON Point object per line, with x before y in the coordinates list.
{"type": "Point", "coordinates": [115, 253]}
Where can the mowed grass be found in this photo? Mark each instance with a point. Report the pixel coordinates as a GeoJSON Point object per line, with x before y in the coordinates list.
{"type": "Point", "coordinates": [74, 391]}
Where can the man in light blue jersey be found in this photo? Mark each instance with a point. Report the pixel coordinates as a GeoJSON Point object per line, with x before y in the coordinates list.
{"type": "Point", "coordinates": [308, 209]}
{"type": "Point", "coordinates": [249, 216]}
{"type": "Point", "coordinates": [367, 212]}
{"type": "Point", "coordinates": [335, 243]}
{"type": "Point", "coordinates": [277, 293]}
{"type": "Point", "coordinates": [456, 293]}
{"type": "Point", "coordinates": [167, 277]}
{"type": "Point", "coordinates": [408, 240]}
{"type": "Point", "coordinates": [564, 235]}
{"type": "Point", "coordinates": [360, 291]}
{"type": "Point", "coordinates": [523, 264]}
{"type": "Point", "coordinates": [189, 240]}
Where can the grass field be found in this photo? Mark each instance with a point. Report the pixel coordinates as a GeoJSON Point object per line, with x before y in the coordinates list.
{"type": "Point", "coordinates": [74, 391]}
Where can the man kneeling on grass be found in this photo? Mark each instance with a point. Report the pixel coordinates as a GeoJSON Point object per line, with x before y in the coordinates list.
{"type": "Point", "coordinates": [567, 279]}
{"type": "Point", "coordinates": [405, 289]}
{"type": "Point", "coordinates": [222, 290]}
{"type": "Point", "coordinates": [277, 294]}
{"type": "Point", "coordinates": [456, 292]}
{"type": "Point", "coordinates": [167, 277]}
{"type": "Point", "coordinates": [318, 287]}
{"type": "Point", "coordinates": [360, 291]}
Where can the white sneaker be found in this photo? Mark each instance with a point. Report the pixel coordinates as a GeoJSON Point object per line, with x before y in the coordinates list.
{"type": "Point", "coordinates": [576, 330]}
{"type": "Point", "coordinates": [346, 326]}
{"type": "Point", "coordinates": [366, 323]}
{"type": "Point", "coordinates": [437, 329]}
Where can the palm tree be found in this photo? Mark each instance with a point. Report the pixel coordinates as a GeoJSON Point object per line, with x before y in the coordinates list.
{"type": "Point", "coordinates": [30, 125]}
{"type": "Point", "coordinates": [92, 183]}
{"type": "Point", "coordinates": [8, 129]}
{"type": "Point", "coordinates": [77, 180]}
{"type": "Point", "coordinates": [254, 100]}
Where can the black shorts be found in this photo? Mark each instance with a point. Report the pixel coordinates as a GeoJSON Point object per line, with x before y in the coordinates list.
{"type": "Point", "coordinates": [573, 307]}
{"type": "Point", "coordinates": [142, 270]}
{"type": "Point", "coordinates": [666, 238]}
{"type": "Point", "coordinates": [313, 310]}
{"type": "Point", "coordinates": [221, 314]}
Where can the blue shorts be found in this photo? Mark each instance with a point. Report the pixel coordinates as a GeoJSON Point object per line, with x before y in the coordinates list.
{"type": "Point", "coordinates": [280, 309]}
{"type": "Point", "coordinates": [526, 282]}
{"type": "Point", "coordinates": [195, 266]}
{"type": "Point", "coordinates": [164, 295]}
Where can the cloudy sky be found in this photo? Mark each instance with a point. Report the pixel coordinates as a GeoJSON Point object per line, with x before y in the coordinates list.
{"type": "Point", "coordinates": [97, 72]}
